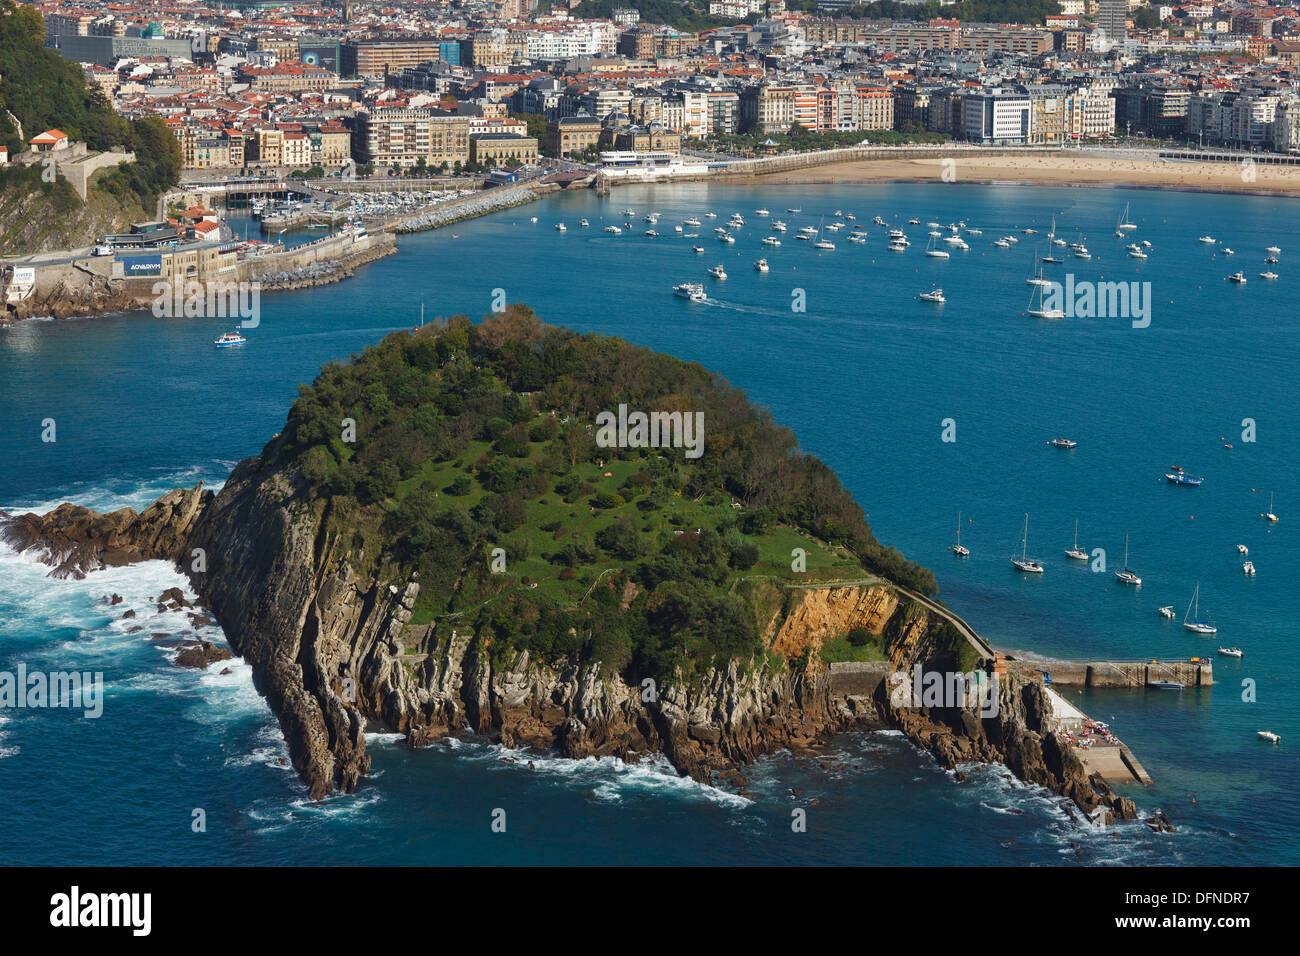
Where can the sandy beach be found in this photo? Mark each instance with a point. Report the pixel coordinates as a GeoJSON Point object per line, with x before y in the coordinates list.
{"type": "Point", "coordinates": [1081, 170]}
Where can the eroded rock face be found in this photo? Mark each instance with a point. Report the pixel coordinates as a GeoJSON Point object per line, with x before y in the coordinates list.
{"type": "Point", "coordinates": [1021, 735]}
{"type": "Point", "coordinates": [330, 648]}
{"type": "Point", "coordinates": [76, 540]}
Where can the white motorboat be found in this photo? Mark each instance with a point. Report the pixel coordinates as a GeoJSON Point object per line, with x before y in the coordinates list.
{"type": "Point", "coordinates": [772, 241]}
{"type": "Point", "coordinates": [717, 272]}
{"type": "Point", "coordinates": [690, 290]}
{"type": "Point", "coordinates": [1268, 275]}
{"type": "Point", "coordinates": [1242, 549]}
{"type": "Point", "coordinates": [761, 265]}
{"type": "Point", "coordinates": [1208, 240]}
{"type": "Point", "coordinates": [1238, 277]}
{"type": "Point", "coordinates": [560, 227]}
{"type": "Point", "coordinates": [1168, 611]}
{"type": "Point", "coordinates": [1269, 736]}
{"type": "Point", "coordinates": [698, 249]}
{"type": "Point", "coordinates": [1231, 651]}
{"type": "Point", "coordinates": [1248, 568]}
{"type": "Point", "coordinates": [934, 295]}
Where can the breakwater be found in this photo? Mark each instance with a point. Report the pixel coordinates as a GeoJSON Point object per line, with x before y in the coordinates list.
{"type": "Point", "coordinates": [1194, 672]}
{"type": "Point", "coordinates": [468, 208]}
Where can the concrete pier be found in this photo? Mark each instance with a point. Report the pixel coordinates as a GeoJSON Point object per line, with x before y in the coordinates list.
{"type": "Point", "coordinates": [1190, 673]}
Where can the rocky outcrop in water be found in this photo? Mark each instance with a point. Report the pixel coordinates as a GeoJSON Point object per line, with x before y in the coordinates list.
{"type": "Point", "coordinates": [76, 540]}
{"type": "Point", "coordinates": [1021, 735]}
{"type": "Point", "coordinates": [330, 647]}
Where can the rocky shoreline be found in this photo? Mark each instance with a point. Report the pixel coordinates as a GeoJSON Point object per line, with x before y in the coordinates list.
{"type": "Point", "coordinates": [330, 649]}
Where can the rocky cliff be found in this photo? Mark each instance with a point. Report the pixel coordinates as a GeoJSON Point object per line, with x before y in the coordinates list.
{"type": "Point", "coordinates": [331, 647]}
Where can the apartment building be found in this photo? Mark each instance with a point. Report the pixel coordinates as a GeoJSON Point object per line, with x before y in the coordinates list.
{"type": "Point", "coordinates": [402, 135]}
{"type": "Point", "coordinates": [380, 57]}
{"type": "Point", "coordinates": [572, 134]}
{"type": "Point", "coordinates": [997, 118]}
{"type": "Point", "coordinates": [767, 108]}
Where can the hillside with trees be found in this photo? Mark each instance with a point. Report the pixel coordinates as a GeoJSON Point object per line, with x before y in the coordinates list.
{"type": "Point", "coordinates": [40, 90]}
{"type": "Point", "coordinates": [473, 460]}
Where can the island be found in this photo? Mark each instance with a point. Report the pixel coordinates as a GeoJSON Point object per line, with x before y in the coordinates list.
{"type": "Point", "coordinates": [563, 542]}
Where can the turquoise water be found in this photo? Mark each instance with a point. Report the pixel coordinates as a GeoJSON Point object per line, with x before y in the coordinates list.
{"type": "Point", "coordinates": [866, 377]}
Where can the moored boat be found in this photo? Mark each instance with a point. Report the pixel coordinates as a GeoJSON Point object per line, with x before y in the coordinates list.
{"type": "Point", "coordinates": [1025, 563]}
{"type": "Point", "coordinates": [1196, 625]}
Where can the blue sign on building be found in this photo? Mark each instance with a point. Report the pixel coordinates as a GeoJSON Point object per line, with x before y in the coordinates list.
{"type": "Point", "coordinates": [142, 265]}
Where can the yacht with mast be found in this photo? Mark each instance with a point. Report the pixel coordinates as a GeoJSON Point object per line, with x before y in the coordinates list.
{"type": "Point", "coordinates": [1025, 563]}
{"type": "Point", "coordinates": [1041, 311]}
{"type": "Point", "coordinates": [1074, 552]}
{"type": "Point", "coordinates": [1124, 225]}
{"type": "Point", "coordinates": [958, 549]}
{"type": "Point", "coordinates": [1195, 624]}
{"type": "Point", "coordinates": [1126, 575]}
{"type": "Point", "coordinates": [1269, 514]}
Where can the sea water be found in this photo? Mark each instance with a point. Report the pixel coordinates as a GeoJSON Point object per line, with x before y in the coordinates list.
{"type": "Point", "coordinates": [923, 410]}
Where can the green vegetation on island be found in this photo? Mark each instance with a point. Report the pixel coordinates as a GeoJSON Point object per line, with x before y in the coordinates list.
{"type": "Point", "coordinates": [473, 438]}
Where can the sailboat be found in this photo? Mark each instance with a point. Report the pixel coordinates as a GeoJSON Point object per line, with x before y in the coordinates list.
{"type": "Point", "coordinates": [1024, 563]}
{"type": "Point", "coordinates": [1038, 280]}
{"type": "Point", "coordinates": [1196, 625]}
{"type": "Point", "coordinates": [821, 243]}
{"type": "Point", "coordinates": [1050, 258]}
{"type": "Point", "coordinates": [1074, 552]}
{"type": "Point", "coordinates": [934, 253]}
{"type": "Point", "coordinates": [1042, 312]}
{"type": "Point", "coordinates": [1126, 576]}
{"type": "Point", "coordinates": [1270, 515]}
{"type": "Point", "coordinates": [1124, 225]}
{"type": "Point", "coordinates": [957, 548]}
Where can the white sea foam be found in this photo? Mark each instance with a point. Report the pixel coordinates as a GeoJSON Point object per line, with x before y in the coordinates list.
{"type": "Point", "coordinates": [109, 494]}
{"type": "Point", "coordinates": [610, 779]}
